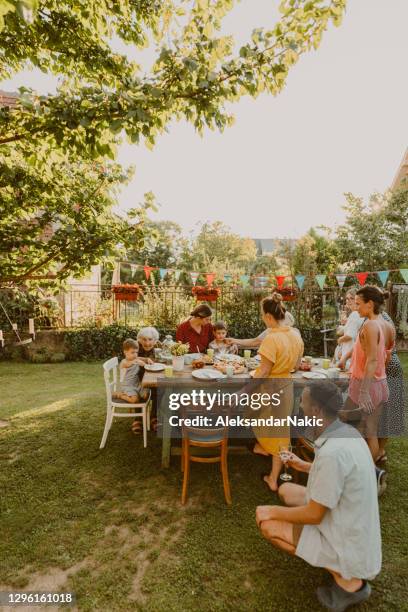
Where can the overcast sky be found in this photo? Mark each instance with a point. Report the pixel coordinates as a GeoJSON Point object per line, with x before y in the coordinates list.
{"type": "Point", "coordinates": [340, 125]}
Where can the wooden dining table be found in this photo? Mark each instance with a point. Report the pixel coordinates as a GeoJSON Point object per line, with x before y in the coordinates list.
{"type": "Point", "coordinates": [152, 380]}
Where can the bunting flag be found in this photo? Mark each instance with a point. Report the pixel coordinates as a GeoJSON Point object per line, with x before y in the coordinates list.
{"type": "Point", "coordinates": [280, 280]}
{"type": "Point", "coordinates": [227, 277]}
{"type": "Point", "coordinates": [383, 276]}
{"type": "Point", "coordinates": [320, 279]}
{"type": "Point", "coordinates": [210, 276]}
{"type": "Point", "coordinates": [341, 279]}
{"type": "Point", "coordinates": [244, 278]}
{"type": "Point", "coordinates": [177, 274]}
{"type": "Point", "coordinates": [163, 272]}
{"type": "Point", "coordinates": [147, 271]}
{"type": "Point", "coordinates": [361, 277]}
{"type": "Point", "coordinates": [262, 280]}
{"type": "Point", "coordinates": [194, 276]}
{"type": "Point", "coordinates": [300, 279]}
{"type": "Point", "coordinates": [404, 274]}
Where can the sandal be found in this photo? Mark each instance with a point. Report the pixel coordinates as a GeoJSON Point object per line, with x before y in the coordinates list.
{"type": "Point", "coordinates": [136, 428]}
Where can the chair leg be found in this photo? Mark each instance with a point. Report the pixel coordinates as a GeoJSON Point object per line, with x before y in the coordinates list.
{"type": "Point", "coordinates": [144, 425]}
{"type": "Point", "coordinates": [224, 472]}
{"type": "Point", "coordinates": [149, 409]}
{"type": "Point", "coordinates": [108, 424]}
{"type": "Point", "coordinates": [186, 473]}
{"type": "Point", "coordinates": [183, 442]}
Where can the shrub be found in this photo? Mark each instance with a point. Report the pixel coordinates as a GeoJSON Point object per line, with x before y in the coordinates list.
{"type": "Point", "coordinates": [39, 357]}
{"type": "Point", "coordinates": [57, 357]}
{"type": "Point", "coordinates": [93, 343]}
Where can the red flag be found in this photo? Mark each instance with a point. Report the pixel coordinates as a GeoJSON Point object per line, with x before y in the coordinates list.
{"type": "Point", "coordinates": [210, 278]}
{"type": "Point", "coordinates": [362, 277]}
{"type": "Point", "coordinates": [147, 270]}
{"type": "Point", "coordinates": [280, 280]}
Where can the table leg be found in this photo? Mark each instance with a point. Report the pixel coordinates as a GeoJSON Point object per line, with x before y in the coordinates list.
{"type": "Point", "coordinates": [166, 441]}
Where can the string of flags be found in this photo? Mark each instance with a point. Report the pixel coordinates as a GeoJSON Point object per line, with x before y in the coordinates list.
{"type": "Point", "coordinates": [263, 280]}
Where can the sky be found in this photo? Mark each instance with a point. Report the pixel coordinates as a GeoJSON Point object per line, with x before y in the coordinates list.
{"type": "Point", "coordinates": [340, 125]}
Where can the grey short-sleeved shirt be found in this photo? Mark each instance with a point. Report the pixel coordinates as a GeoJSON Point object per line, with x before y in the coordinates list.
{"type": "Point", "coordinates": [129, 379]}
{"type": "Point", "coordinates": [342, 478]}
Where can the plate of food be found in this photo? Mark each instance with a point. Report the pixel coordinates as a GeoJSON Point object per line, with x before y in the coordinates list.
{"type": "Point", "coordinates": [207, 374]}
{"type": "Point", "coordinates": [221, 366]}
{"type": "Point", "coordinates": [228, 358]}
{"type": "Point", "coordinates": [154, 367]}
{"type": "Point", "coordinates": [314, 375]}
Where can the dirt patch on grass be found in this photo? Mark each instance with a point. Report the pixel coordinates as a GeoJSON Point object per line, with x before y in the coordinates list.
{"type": "Point", "coordinates": [4, 423]}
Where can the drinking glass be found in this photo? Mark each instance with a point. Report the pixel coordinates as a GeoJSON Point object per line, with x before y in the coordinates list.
{"type": "Point", "coordinates": [284, 453]}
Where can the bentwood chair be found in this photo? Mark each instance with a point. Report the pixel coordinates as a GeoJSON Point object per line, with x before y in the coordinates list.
{"type": "Point", "coordinates": [113, 406]}
{"type": "Point", "coordinates": [208, 439]}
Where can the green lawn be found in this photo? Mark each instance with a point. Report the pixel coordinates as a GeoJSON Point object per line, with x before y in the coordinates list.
{"type": "Point", "coordinates": [109, 524]}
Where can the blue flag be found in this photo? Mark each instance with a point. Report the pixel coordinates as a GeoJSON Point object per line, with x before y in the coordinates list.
{"type": "Point", "coordinates": [383, 276]}
{"type": "Point", "coordinates": [300, 279]}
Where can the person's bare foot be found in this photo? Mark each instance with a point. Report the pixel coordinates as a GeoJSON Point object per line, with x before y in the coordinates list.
{"type": "Point", "coordinates": [258, 450]}
{"type": "Point", "coordinates": [272, 484]}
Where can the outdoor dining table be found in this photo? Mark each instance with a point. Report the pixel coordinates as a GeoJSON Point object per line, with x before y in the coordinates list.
{"type": "Point", "coordinates": [151, 380]}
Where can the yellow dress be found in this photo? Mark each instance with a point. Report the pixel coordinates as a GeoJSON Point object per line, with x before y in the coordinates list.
{"type": "Point", "coordinates": [282, 347]}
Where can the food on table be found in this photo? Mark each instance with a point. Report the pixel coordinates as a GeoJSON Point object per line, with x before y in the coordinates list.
{"type": "Point", "coordinates": [198, 363]}
{"type": "Point", "coordinates": [305, 366]}
{"type": "Point", "coordinates": [221, 366]}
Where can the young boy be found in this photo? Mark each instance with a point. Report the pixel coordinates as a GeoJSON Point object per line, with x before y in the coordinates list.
{"type": "Point", "coordinates": [218, 344]}
{"type": "Point", "coordinates": [130, 388]}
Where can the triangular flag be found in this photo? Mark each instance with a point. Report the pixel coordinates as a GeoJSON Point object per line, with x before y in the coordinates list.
{"type": "Point", "coordinates": [383, 276]}
{"type": "Point", "coordinates": [244, 278]}
{"type": "Point", "coordinates": [210, 276]}
{"type": "Point", "coordinates": [177, 274]}
{"type": "Point", "coordinates": [361, 277]}
{"type": "Point", "coordinates": [147, 271]}
{"type": "Point", "coordinates": [262, 280]}
{"type": "Point", "coordinates": [300, 279]}
{"type": "Point", "coordinates": [163, 272]}
{"type": "Point", "coordinates": [280, 280]}
{"type": "Point", "coordinates": [404, 274]}
{"type": "Point", "coordinates": [320, 279]}
{"type": "Point", "coordinates": [194, 276]}
{"type": "Point", "coordinates": [227, 277]}
{"type": "Point", "coordinates": [341, 279]}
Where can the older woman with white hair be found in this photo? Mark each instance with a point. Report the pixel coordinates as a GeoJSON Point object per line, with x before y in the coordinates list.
{"type": "Point", "coordinates": [148, 340]}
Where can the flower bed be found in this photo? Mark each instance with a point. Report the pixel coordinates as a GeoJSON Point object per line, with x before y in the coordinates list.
{"type": "Point", "coordinates": [289, 294]}
{"type": "Point", "coordinates": [206, 294]}
{"type": "Point", "coordinates": [127, 293]}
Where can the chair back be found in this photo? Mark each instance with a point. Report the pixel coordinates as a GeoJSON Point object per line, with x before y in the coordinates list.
{"type": "Point", "coordinates": [110, 373]}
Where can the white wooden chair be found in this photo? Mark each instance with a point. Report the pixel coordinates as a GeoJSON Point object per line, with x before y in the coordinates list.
{"type": "Point", "coordinates": [110, 372]}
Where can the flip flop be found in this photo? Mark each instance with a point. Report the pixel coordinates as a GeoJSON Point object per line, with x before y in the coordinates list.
{"type": "Point", "coordinates": [136, 428]}
{"type": "Point", "coordinates": [337, 599]}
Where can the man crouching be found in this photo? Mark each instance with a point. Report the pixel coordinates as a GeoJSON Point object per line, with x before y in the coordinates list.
{"type": "Point", "coordinates": [333, 522]}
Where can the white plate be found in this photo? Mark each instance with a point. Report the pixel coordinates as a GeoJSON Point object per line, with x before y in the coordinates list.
{"type": "Point", "coordinates": [154, 367]}
{"type": "Point", "coordinates": [228, 357]}
{"type": "Point", "coordinates": [207, 374]}
{"type": "Point", "coordinates": [314, 375]}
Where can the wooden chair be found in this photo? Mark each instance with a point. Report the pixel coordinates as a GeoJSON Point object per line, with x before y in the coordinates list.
{"type": "Point", "coordinates": [204, 438]}
{"type": "Point", "coordinates": [110, 372]}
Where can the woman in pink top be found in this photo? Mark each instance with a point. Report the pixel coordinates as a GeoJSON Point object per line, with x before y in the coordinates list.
{"type": "Point", "coordinates": [368, 382]}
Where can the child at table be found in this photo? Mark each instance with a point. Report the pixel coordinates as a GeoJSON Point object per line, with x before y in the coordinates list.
{"type": "Point", "coordinates": [219, 345]}
{"type": "Point", "coordinates": [131, 390]}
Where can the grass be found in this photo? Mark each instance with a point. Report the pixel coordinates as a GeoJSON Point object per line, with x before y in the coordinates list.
{"type": "Point", "coordinates": [109, 524]}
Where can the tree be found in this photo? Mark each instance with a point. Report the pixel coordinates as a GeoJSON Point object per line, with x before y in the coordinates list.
{"type": "Point", "coordinates": [375, 235]}
{"type": "Point", "coordinates": [217, 249]}
{"type": "Point", "coordinates": [314, 253]}
{"type": "Point", "coordinates": [194, 77]}
{"type": "Point", "coordinates": [58, 222]}
{"type": "Point", "coordinates": [162, 246]}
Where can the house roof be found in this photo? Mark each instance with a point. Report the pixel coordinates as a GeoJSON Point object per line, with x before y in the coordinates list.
{"type": "Point", "coordinates": [402, 172]}
{"type": "Point", "coordinates": [8, 98]}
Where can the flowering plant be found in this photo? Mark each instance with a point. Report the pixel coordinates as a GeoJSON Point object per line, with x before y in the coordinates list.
{"type": "Point", "coordinates": [178, 349]}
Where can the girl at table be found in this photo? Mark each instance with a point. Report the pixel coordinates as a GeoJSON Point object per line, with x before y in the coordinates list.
{"type": "Point", "coordinates": [280, 352]}
{"type": "Point", "coordinates": [197, 330]}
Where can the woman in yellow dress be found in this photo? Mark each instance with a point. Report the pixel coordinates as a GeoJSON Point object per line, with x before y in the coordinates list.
{"type": "Point", "coordinates": [280, 352]}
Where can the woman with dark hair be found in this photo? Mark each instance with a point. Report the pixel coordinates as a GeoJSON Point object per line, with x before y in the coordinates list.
{"type": "Point", "coordinates": [393, 413]}
{"type": "Point", "coordinates": [280, 352]}
{"type": "Point", "coordinates": [368, 389]}
{"type": "Point", "coordinates": [197, 330]}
